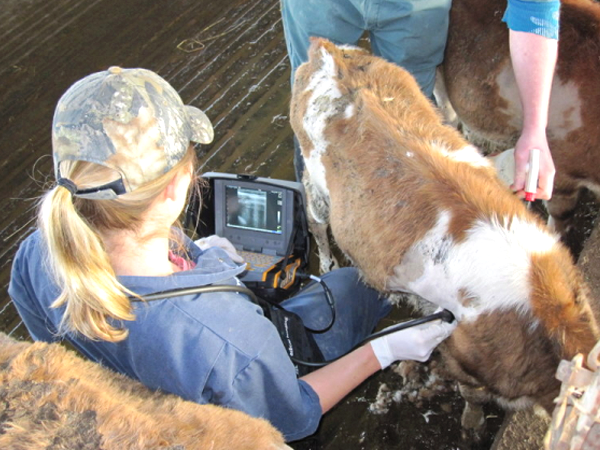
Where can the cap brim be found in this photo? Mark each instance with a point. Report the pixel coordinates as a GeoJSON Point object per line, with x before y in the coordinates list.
{"type": "Point", "coordinates": [202, 129]}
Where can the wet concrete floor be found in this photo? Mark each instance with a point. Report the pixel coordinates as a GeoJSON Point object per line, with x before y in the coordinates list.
{"type": "Point", "coordinates": [227, 57]}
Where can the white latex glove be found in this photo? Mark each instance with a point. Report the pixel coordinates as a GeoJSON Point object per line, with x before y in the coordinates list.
{"type": "Point", "coordinates": [221, 242]}
{"type": "Point", "coordinates": [415, 343]}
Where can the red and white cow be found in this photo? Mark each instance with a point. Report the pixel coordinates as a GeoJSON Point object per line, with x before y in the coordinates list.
{"type": "Point", "coordinates": [417, 209]}
{"type": "Point", "coordinates": [477, 89]}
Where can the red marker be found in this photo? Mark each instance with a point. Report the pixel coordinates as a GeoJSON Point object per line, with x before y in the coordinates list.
{"type": "Point", "coordinates": [533, 172]}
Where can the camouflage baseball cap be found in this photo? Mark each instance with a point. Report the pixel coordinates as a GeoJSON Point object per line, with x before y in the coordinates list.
{"type": "Point", "coordinates": [130, 120]}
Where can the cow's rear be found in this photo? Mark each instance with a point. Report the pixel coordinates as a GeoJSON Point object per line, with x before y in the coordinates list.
{"type": "Point", "coordinates": [479, 90]}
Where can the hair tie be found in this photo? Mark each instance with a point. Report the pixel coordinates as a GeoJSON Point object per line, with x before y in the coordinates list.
{"type": "Point", "coordinates": [68, 184]}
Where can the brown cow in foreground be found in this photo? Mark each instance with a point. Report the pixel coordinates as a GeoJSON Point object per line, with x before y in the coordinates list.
{"type": "Point", "coordinates": [52, 399]}
{"type": "Point", "coordinates": [419, 210]}
{"type": "Point", "coordinates": [478, 90]}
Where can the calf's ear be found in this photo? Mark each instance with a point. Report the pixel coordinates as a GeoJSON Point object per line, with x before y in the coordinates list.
{"type": "Point", "coordinates": [324, 54]}
{"type": "Point", "coordinates": [319, 47]}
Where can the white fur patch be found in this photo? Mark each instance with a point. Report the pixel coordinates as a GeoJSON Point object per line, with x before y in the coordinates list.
{"type": "Point", "coordinates": [508, 91]}
{"type": "Point", "coordinates": [491, 266]}
{"type": "Point", "coordinates": [320, 107]}
{"type": "Point", "coordinates": [349, 47]}
{"type": "Point", "coordinates": [564, 112]}
{"type": "Point", "coordinates": [349, 111]}
{"type": "Point", "coordinates": [467, 154]}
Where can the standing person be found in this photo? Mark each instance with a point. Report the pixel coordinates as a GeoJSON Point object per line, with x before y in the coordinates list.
{"type": "Point", "coordinates": [107, 237]}
{"type": "Point", "coordinates": [413, 33]}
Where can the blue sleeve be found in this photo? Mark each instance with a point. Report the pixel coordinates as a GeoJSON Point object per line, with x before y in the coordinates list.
{"type": "Point", "coordinates": [25, 300]}
{"type": "Point", "coordinates": [539, 17]}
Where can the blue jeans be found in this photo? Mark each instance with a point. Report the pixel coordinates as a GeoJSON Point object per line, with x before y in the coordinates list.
{"type": "Point", "coordinates": [358, 310]}
{"type": "Point", "coordinates": [410, 33]}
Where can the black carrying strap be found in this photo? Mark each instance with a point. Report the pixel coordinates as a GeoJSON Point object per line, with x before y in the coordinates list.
{"type": "Point", "coordinates": [298, 341]}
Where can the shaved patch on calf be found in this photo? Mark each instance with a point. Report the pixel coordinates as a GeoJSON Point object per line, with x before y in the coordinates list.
{"type": "Point", "coordinates": [425, 261]}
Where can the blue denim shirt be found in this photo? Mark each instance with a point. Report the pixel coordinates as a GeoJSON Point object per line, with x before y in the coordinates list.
{"type": "Point", "coordinates": [208, 348]}
{"type": "Point", "coordinates": [539, 17]}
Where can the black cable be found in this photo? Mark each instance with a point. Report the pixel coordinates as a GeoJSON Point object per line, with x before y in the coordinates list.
{"type": "Point", "coordinates": [243, 290]}
{"type": "Point", "coordinates": [195, 290]}
{"type": "Point", "coordinates": [444, 315]}
{"type": "Point", "coordinates": [328, 297]}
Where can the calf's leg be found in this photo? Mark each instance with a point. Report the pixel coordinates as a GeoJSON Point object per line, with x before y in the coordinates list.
{"type": "Point", "coordinates": [318, 224]}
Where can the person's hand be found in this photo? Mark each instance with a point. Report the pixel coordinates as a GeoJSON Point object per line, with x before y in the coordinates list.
{"type": "Point", "coordinates": [526, 142]}
{"type": "Point", "coordinates": [221, 242]}
{"type": "Point", "coordinates": [415, 343]}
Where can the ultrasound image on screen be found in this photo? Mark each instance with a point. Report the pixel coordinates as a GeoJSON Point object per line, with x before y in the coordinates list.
{"type": "Point", "coordinates": [254, 209]}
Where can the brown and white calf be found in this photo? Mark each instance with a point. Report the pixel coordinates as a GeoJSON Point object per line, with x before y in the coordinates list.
{"type": "Point", "coordinates": [417, 209]}
{"type": "Point", "coordinates": [478, 89]}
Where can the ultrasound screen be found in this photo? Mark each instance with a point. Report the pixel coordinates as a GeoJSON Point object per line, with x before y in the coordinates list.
{"type": "Point", "coordinates": [254, 209]}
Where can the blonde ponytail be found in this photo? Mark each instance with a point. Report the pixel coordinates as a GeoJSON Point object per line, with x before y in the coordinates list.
{"type": "Point", "coordinates": [96, 304]}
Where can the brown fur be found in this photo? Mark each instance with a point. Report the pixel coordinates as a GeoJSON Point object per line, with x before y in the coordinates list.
{"type": "Point", "coordinates": [488, 105]}
{"type": "Point", "coordinates": [372, 175]}
{"type": "Point", "coordinates": [516, 360]}
{"type": "Point", "coordinates": [569, 316]}
{"type": "Point", "coordinates": [382, 201]}
{"type": "Point", "coordinates": [52, 399]}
